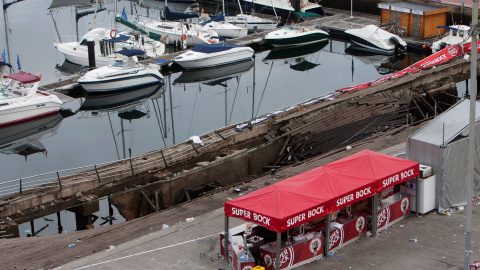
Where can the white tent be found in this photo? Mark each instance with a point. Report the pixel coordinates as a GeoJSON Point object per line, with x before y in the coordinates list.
{"type": "Point", "coordinates": [443, 145]}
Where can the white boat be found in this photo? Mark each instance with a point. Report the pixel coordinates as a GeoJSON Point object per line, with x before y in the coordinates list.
{"type": "Point", "coordinates": [253, 23]}
{"type": "Point", "coordinates": [283, 8]}
{"type": "Point", "coordinates": [226, 29]}
{"type": "Point", "coordinates": [292, 35]}
{"type": "Point", "coordinates": [457, 34]}
{"type": "Point", "coordinates": [374, 38]}
{"type": "Point", "coordinates": [175, 32]}
{"type": "Point", "coordinates": [213, 55]}
{"type": "Point", "coordinates": [121, 75]}
{"type": "Point", "coordinates": [106, 43]}
{"type": "Point", "coordinates": [20, 103]}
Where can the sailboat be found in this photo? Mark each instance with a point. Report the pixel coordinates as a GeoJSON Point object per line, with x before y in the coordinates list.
{"type": "Point", "coordinates": [251, 22]}
{"type": "Point", "coordinates": [213, 74]}
{"type": "Point", "coordinates": [283, 8]}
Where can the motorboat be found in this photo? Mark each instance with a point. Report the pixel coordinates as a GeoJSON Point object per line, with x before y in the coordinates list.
{"type": "Point", "coordinates": [176, 31]}
{"type": "Point", "coordinates": [283, 8]}
{"type": "Point", "coordinates": [24, 138]}
{"type": "Point", "coordinates": [224, 28]}
{"type": "Point", "coordinates": [252, 23]}
{"type": "Point", "coordinates": [214, 74]}
{"type": "Point", "coordinates": [457, 34]}
{"type": "Point", "coordinates": [293, 35]}
{"type": "Point", "coordinates": [106, 43]}
{"type": "Point", "coordinates": [121, 74]}
{"type": "Point", "coordinates": [20, 102]}
{"type": "Point", "coordinates": [374, 38]}
{"type": "Point", "coordinates": [213, 55]}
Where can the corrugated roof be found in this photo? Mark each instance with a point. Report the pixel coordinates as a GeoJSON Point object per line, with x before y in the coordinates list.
{"type": "Point", "coordinates": [456, 120]}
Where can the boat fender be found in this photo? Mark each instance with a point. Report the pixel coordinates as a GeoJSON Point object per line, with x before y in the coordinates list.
{"type": "Point", "coordinates": [164, 39]}
{"type": "Point", "coordinates": [183, 37]}
{"type": "Point", "coordinates": [113, 33]}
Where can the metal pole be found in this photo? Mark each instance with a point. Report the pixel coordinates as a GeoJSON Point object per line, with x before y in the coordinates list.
{"type": "Point", "coordinates": [471, 135]}
{"type": "Point", "coordinates": [277, 255]}
{"type": "Point", "coordinates": [225, 248]}
{"type": "Point", "coordinates": [374, 214]}
{"type": "Point", "coordinates": [98, 175]}
{"type": "Point", "coordinates": [20, 186]}
{"type": "Point", "coordinates": [351, 8]}
{"type": "Point", "coordinates": [131, 165]}
{"type": "Point", "coordinates": [59, 183]}
{"type": "Point", "coordinates": [326, 246]}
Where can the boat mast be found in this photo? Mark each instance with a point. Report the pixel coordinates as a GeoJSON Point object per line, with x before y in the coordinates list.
{"type": "Point", "coordinates": [95, 17]}
{"type": "Point", "coordinates": [274, 11]}
{"type": "Point", "coordinates": [115, 25]}
{"type": "Point", "coordinates": [6, 33]}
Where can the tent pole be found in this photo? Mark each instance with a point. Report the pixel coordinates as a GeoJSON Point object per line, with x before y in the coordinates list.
{"type": "Point", "coordinates": [225, 249]}
{"type": "Point", "coordinates": [277, 255]}
{"type": "Point", "coordinates": [326, 245]}
{"type": "Point", "coordinates": [374, 214]}
{"type": "Point", "coordinates": [417, 195]}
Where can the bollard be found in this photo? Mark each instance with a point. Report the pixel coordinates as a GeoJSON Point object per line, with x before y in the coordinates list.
{"type": "Point", "coordinates": [91, 52]}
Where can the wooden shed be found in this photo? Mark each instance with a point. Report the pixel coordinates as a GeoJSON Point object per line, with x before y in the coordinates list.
{"type": "Point", "coordinates": [414, 20]}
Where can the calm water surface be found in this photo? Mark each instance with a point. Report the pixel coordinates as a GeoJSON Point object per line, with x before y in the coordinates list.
{"type": "Point", "coordinates": [189, 104]}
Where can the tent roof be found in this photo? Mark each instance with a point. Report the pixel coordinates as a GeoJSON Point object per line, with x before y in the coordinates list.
{"type": "Point", "coordinates": [456, 120]}
{"type": "Point", "coordinates": [320, 191]}
{"type": "Point", "coordinates": [23, 77]}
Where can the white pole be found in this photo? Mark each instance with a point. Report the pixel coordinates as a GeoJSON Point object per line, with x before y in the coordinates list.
{"type": "Point", "coordinates": [351, 8]}
{"type": "Point", "coordinates": [471, 135]}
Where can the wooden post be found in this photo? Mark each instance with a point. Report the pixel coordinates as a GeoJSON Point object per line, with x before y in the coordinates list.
{"type": "Point", "coordinates": [157, 203]}
{"type": "Point", "coordinates": [98, 175]}
{"type": "Point", "coordinates": [59, 183]}
{"type": "Point", "coordinates": [164, 160]}
{"type": "Point", "coordinates": [148, 199]}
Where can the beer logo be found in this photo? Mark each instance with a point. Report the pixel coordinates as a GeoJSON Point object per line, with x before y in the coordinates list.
{"type": "Point", "coordinates": [315, 245]}
{"type": "Point", "coordinates": [336, 236]}
{"type": "Point", "coordinates": [286, 257]}
{"type": "Point", "coordinates": [404, 205]}
{"type": "Point", "coordinates": [383, 217]}
{"type": "Point", "coordinates": [360, 224]}
{"type": "Point", "coordinates": [248, 267]}
{"type": "Point", "coordinates": [453, 51]}
{"type": "Point", "coordinates": [268, 260]}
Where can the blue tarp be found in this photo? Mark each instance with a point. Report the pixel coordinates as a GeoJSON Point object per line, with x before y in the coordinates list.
{"type": "Point", "coordinates": [215, 47]}
{"type": "Point", "coordinates": [219, 18]}
{"type": "Point", "coordinates": [131, 52]}
{"type": "Point", "coordinates": [4, 64]}
{"type": "Point", "coordinates": [175, 16]}
{"type": "Point", "coordinates": [118, 39]}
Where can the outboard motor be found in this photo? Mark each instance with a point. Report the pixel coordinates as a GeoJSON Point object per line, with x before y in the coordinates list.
{"type": "Point", "coordinates": [399, 46]}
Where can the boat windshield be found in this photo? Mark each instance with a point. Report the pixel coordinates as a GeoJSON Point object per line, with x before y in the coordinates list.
{"type": "Point", "coordinates": [8, 92]}
{"type": "Point", "coordinates": [289, 27]}
{"type": "Point", "coordinates": [118, 63]}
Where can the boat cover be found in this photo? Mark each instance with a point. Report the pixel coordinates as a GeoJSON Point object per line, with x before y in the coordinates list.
{"type": "Point", "coordinates": [215, 47]}
{"type": "Point", "coordinates": [321, 191]}
{"type": "Point", "coordinates": [447, 27]}
{"type": "Point", "coordinates": [131, 52]}
{"type": "Point", "coordinates": [4, 64]}
{"type": "Point", "coordinates": [219, 18]}
{"type": "Point", "coordinates": [120, 38]}
{"type": "Point", "coordinates": [306, 14]}
{"type": "Point", "coordinates": [175, 16]}
{"type": "Point", "coordinates": [23, 77]}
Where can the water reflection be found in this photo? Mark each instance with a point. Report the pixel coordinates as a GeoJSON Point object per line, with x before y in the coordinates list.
{"type": "Point", "coordinates": [297, 57]}
{"type": "Point", "coordinates": [24, 138]}
{"type": "Point", "coordinates": [384, 64]}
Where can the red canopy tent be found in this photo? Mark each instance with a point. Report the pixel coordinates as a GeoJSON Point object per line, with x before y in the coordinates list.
{"type": "Point", "coordinates": [388, 170]}
{"type": "Point", "coordinates": [320, 191]}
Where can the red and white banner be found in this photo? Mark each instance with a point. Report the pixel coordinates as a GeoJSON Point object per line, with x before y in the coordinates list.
{"type": "Point", "coordinates": [347, 232]}
{"type": "Point", "coordinates": [393, 212]}
{"type": "Point", "coordinates": [291, 255]}
{"type": "Point", "coordinates": [442, 56]}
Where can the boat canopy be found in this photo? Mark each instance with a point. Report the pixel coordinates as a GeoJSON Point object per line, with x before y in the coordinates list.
{"type": "Point", "coordinates": [447, 27]}
{"type": "Point", "coordinates": [215, 47]}
{"type": "Point", "coordinates": [4, 64]}
{"type": "Point", "coordinates": [120, 38]}
{"type": "Point", "coordinates": [175, 16]}
{"type": "Point", "coordinates": [219, 18]}
{"type": "Point", "coordinates": [131, 52]}
{"type": "Point", "coordinates": [23, 77]}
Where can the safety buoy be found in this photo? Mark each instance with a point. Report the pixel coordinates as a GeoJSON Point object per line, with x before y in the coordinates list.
{"type": "Point", "coordinates": [113, 33]}
{"type": "Point", "coordinates": [183, 37]}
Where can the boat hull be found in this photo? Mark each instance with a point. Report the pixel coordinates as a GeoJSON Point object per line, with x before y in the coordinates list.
{"type": "Point", "coordinates": [123, 83]}
{"type": "Point", "coordinates": [20, 114]}
{"type": "Point", "coordinates": [298, 39]}
{"type": "Point", "coordinates": [201, 60]}
{"type": "Point", "coordinates": [370, 46]}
